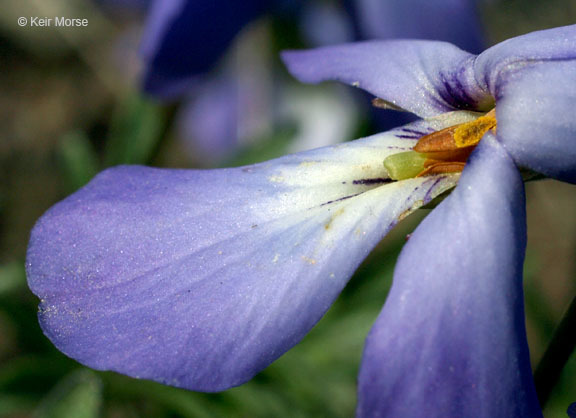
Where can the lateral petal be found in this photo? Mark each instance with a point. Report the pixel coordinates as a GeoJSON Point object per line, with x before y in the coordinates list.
{"type": "Point", "coordinates": [424, 77]}
{"type": "Point", "coordinates": [555, 44]}
{"type": "Point", "coordinates": [536, 120]}
{"type": "Point", "coordinates": [450, 340]}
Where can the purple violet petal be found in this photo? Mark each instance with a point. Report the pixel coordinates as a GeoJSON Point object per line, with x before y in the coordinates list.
{"type": "Point", "coordinates": [424, 77]}
{"type": "Point", "coordinates": [200, 279]}
{"type": "Point", "coordinates": [536, 119]}
{"type": "Point", "coordinates": [450, 340]}
{"type": "Point", "coordinates": [557, 44]}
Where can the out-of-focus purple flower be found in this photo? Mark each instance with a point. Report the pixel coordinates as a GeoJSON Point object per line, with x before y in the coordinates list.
{"type": "Point", "coordinates": [228, 114]}
{"type": "Point", "coordinates": [247, 101]}
{"type": "Point", "coordinates": [210, 120]}
{"type": "Point", "coordinates": [124, 7]}
{"type": "Point", "coordinates": [177, 56]}
{"type": "Point", "coordinates": [200, 279]}
{"type": "Point", "coordinates": [233, 106]}
{"type": "Point", "coordinates": [185, 38]}
{"type": "Point", "coordinates": [571, 411]}
{"type": "Point", "coordinates": [454, 21]}
{"type": "Point", "coordinates": [324, 23]}
{"type": "Point", "coordinates": [242, 110]}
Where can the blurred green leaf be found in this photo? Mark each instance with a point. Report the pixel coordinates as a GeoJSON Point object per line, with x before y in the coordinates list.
{"type": "Point", "coordinates": [135, 131]}
{"type": "Point", "coordinates": [538, 308]}
{"type": "Point", "coordinates": [179, 401]}
{"type": "Point", "coordinates": [28, 374]}
{"type": "Point", "coordinates": [14, 405]}
{"type": "Point", "coordinates": [259, 400]}
{"type": "Point", "coordinates": [12, 277]}
{"type": "Point", "coordinates": [564, 393]}
{"type": "Point", "coordinates": [79, 395]}
{"type": "Point", "coordinates": [78, 159]}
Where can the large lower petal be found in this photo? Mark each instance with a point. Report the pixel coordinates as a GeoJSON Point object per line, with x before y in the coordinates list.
{"type": "Point", "coordinates": [184, 38]}
{"type": "Point", "coordinates": [450, 340]}
{"type": "Point", "coordinates": [536, 119]}
{"type": "Point", "coordinates": [200, 279]}
{"type": "Point", "coordinates": [423, 77]}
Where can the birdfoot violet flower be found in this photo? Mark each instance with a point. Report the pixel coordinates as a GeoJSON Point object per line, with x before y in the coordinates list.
{"type": "Point", "coordinates": [200, 279]}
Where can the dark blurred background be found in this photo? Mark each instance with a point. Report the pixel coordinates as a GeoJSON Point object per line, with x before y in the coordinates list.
{"type": "Point", "coordinates": [71, 105]}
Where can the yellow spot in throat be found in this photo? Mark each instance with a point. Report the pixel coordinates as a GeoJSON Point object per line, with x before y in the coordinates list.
{"type": "Point", "coordinates": [470, 133]}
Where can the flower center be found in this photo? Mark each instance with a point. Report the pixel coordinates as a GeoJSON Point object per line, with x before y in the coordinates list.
{"type": "Point", "coordinates": [444, 151]}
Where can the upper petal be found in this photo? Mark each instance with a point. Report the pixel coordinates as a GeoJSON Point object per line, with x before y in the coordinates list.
{"type": "Point", "coordinates": [450, 340]}
{"type": "Point", "coordinates": [184, 38]}
{"type": "Point", "coordinates": [535, 113]}
{"type": "Point", "coordinates": [424, 77]}
{"type": "Point", "coordinates": [200, 279]}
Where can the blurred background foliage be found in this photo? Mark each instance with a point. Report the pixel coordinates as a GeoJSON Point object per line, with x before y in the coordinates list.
{"type": "Point", "coordinates": [71, 106]}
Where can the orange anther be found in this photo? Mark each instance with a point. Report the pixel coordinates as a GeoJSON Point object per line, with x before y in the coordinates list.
{"type": "Point", "coordinates": [442, 168]}
{"type": "Point", "coordinates": [442, 140]}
